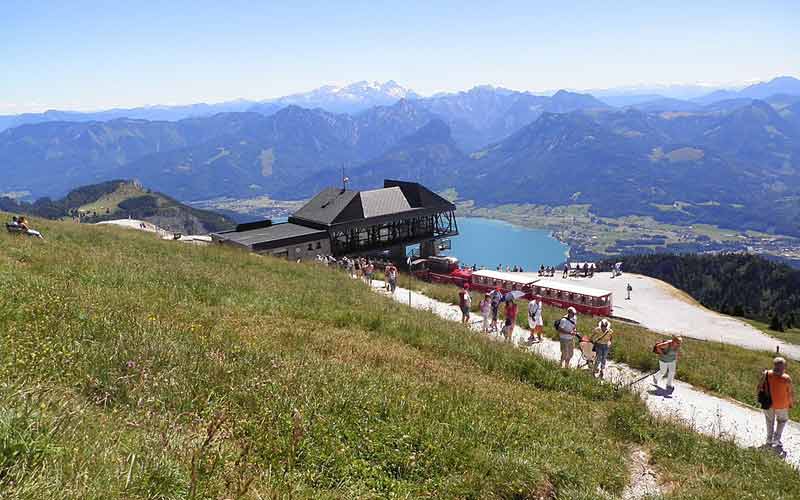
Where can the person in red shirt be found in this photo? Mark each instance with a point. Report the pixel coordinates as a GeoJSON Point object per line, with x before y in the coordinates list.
{"type": "Point", "coordinates": [511, 318]}
{"type": "Point", "coordinates": [781, 391]}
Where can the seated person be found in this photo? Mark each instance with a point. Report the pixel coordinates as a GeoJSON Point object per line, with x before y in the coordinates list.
{"type": "Point", "coordinates": [23, 223]}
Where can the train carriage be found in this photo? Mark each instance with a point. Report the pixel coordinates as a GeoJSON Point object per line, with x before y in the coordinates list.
{"type": "Point", "coordinates": [584, 299]}
{"type": "Point", "coordinates": [558, 293]}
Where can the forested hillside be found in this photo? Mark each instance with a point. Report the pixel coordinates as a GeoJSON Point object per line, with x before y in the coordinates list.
{"type": "Point", "coordinates": [732, 283]}
{"type": "Point", "coordinates": [122, 199]}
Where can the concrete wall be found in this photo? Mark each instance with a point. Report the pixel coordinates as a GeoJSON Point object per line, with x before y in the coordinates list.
{"type": "Point", "coordinates": [301, 251]}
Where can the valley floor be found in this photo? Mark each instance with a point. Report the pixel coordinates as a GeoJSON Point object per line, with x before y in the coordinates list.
{"type": "Point", "coordinates": [591, 237]}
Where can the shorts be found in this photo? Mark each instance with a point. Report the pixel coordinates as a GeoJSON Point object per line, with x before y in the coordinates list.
{"type": "Point", "coordinates": [464, 310]}
{"type": "Point", "coordinates": [494, 313]}
{"type": "Point", "coordinates": [567, 348]}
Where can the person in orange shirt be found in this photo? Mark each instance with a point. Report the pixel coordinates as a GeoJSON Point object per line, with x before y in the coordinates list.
{"type": "Point", "coordinates": [779, 385]}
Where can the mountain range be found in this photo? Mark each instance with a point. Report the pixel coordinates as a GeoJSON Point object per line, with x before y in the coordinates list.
{"type": "Point", "coordinates": [735, 162]}
{"type": "Point", "coordinates": [360, 96]}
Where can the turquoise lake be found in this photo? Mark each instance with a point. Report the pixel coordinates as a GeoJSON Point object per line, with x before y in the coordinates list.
{"type": "Point", "coordinates": [489, 242]}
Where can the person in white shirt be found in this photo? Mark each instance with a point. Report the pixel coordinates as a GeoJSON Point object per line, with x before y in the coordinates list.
{"type": "Point", "coordinates": [535, 320]}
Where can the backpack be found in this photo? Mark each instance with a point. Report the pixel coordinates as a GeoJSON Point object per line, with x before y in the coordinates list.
{"type": "Point", "coordinates": [557, 325]}
{"type": "Point", "coordinates": [764, 395]}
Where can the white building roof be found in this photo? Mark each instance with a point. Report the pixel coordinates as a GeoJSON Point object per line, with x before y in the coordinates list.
{"type": "Point", "coordinates": [502, 276]}
{"type": "Point", "coordinates": [566, 286]}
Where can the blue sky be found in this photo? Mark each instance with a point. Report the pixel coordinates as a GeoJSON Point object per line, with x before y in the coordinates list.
{"type": "Point", "coordinates": [92, 55]}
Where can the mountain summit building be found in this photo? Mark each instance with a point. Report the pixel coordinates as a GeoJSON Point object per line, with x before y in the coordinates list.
{"type": "Point", "coordinates": [342, 222]}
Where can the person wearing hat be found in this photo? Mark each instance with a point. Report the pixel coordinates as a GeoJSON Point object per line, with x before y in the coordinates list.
{"type": "Point", "coordinates": [601, 338]}
{"type": "Point", "coordinates": [465, 302]}
{"type": "Point", "coordinates": [567, 330]}
{"type": "Point", "coordinates": [778, 384]}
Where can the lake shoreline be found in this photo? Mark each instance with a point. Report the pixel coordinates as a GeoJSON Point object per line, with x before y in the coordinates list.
{"type": "Point", "coordinates": [488, 242]}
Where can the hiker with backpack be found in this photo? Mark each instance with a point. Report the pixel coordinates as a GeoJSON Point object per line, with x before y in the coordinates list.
{"type": "Point", "coordinates": [668, 352]}
{"type": "Point", "coordinates": [567, 328]}
{"type": "Point", "coordinates": [535, 320]}
{"type": "Point", "coordinates": [776, 396]}
{"type": "Point", "coordinates": [601, 338]}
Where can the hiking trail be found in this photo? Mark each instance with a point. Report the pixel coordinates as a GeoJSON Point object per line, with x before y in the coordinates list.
{"type": "Point", "coordinates": [711, 415]}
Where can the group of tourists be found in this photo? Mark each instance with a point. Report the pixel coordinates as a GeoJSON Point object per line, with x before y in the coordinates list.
{"type": "Point", "coordinates": [364, 269]}
{"type": "Point", "coordinates": [511, 269]}
{"type": "Point", "coordinates": [20, 225]}
{"type": "Point", "coordinates": [547, 271]}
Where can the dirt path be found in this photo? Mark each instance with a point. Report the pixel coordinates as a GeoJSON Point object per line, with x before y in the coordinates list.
{"type": "Point", "coordinates": [710, 415]}
{"type": "Point", "coordinates": [663, 308]}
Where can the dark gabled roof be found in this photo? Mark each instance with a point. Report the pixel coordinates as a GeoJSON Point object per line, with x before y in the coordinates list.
{"type": "Point", "coordinates": [419, 196]}
{"type": "Point", "coordinates": [325, 207]}
{"type": "Point", "coordinates": [336, 206]}
{"type": "Point", "coordinates": [273, 236]}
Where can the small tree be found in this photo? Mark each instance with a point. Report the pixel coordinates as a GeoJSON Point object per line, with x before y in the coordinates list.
{"type": "Point", "coordinates": [775, 323]}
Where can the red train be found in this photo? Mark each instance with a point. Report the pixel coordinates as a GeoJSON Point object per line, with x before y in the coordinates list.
{"type": "Point", "coordinates": [559, 293]}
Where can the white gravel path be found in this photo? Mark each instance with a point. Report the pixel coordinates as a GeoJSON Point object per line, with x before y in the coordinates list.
{"type": "Point", "coordinates": [662, 308]}
{"type": "Point", "coordinates": [139, 225]}
{"type": "Point", "coordinates": [710, 415]}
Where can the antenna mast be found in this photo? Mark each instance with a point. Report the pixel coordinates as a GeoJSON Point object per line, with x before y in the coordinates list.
{"type": "Point", "coordinates": [345, 179]}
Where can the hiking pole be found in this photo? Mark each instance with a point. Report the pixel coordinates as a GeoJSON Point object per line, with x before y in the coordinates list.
{"type": "Point", "coordinates": [639, 379]}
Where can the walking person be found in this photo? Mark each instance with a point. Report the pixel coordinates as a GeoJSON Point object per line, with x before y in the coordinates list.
{"type": "Point", "coordinates": [668, 352]}
{"type": "Point", "coordinates": [368, 273]}
{"type": "Point", "coordinates": [629, 289]}
{"type": "Point", "coordinates": [464, 303]}
{"type": "Point", "coordinates": [565, 274]}
{"type": "Point", "coordinates": [567, 330]}
{"type": "Point", "coordinates": [601, 338]}
{"type": "Point", "coordinates": [392, 278]}
{"type": "Point", "coordinates": [511, 319]}
{"type": "Point", "coordinates": [778, 385]}
{"type": "Point", "coordinates": [497, 298]}
{"type": "Point", "coordinates": [486, 309]}
{"type": "Point", "coordinates": [535, 320]}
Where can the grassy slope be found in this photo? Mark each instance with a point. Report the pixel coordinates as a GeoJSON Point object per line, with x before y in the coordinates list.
{"type": "Point", "coordinates": [791, 335]}
{"type": "Point", "coordinates": [135, 368]}
{"type": "Point", "coordinates": [719, 368]}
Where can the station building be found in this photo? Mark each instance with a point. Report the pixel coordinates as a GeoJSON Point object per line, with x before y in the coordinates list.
{"type": "Point", "coordinates": [343, 222]}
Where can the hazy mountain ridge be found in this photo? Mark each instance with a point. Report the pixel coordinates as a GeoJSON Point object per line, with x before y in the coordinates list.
{"type": "Point", "coordinates": [729, 169]}
{"type": "Point", "coordinates": [734, 162]}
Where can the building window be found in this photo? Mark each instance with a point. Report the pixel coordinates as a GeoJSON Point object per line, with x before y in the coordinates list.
{"type": "Point", "coordinates": [310, 247]}
{"type": "Point", "coordinates": [319, 245]}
